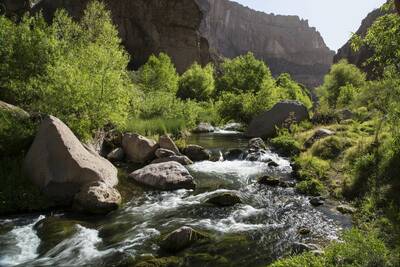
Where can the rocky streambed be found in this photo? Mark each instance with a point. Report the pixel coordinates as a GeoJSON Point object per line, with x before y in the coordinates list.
{"type": "Point", "coordinates": [230, 219]}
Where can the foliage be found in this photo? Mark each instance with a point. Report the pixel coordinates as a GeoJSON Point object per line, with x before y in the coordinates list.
{"type": "Point", "coordinates": [343, 76]}
{"type": "Point", "coordinates": [289, 89]}
{"type": "Point", "coordinates": [310, 167]}
{"type": "Point", "coordinates": [358, 249]}
{"type": "Point", "coordinates": [312, 187]}
{"type": "Point", "coordinates": [286, 144]}
{"type": "Point", "coordinates": [243, 74]}
{"type": "Point", "coordinates": [156, 126]}
{"type": "Point", "coordinates": [75, 71]}
{"type": "Point", "coordinates": [197, 83]}
{"type": "Point", "coordinates": [159, 75]}
{"type": "Point", "coordinates": [330, 147]}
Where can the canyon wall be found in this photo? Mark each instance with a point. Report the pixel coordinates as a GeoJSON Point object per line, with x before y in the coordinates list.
{"type": "Point", "coordinates": [149, 26]}
{"type": "Point", "coordinates": [285, 43]}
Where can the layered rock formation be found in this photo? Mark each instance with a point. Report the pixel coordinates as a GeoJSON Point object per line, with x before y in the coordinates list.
{"type": "Point", "coordinates": [286, 43]}
{"type": "Point", "coordinates": [149, 27]}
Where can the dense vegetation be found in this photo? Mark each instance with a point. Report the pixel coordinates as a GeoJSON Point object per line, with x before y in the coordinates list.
{"type": "Point", "coordinates": [360, 162]}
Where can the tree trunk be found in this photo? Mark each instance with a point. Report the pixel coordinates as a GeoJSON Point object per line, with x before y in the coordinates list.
{"type": "Point", "coordinates": [397, 5]}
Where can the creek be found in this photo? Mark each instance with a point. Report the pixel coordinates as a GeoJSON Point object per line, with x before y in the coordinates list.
{"type": "Point", "coordinates": [254, 233]}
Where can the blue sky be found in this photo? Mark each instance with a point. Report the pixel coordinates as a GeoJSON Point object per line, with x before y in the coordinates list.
{"type": "Point", "coordinates": [334, 19]}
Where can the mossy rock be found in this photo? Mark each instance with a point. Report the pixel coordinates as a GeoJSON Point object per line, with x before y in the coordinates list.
{"type": "Point", "coordinates": [269, 180]}
{"type": "Point", "coordinates": [53, 230]}
{"type": "Point", "coordinates": [331, 147]}
{"type": "Point", "coordinates": [161, 262]}
{"type": "Point", "coordinates": [206, 260]}
{"type": "Point", "coordinates": [181, 239]}
{"type": "Point", "coordinates": [225, 199]}
{"type": "Point", "coordinates": [311, 187]}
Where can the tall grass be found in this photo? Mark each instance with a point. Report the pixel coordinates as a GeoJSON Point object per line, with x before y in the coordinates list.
{"type": "Point", "coordinates": [156, 126]}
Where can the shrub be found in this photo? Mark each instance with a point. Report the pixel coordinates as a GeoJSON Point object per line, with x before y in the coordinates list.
{"type": "Point", "coordinates": [310, 167]}
{"type": "Point", "coordinates": [158, 74]}
{"type": "Point", "coordinates": [286, 144]}
{"type": "Point", "coordinates": [303, 260]}
{"type": "Point", "coordinates": [73, 70]}
{"type": "Point", "coordinates": [289, 89]}
{"type": "Point", "coordinates": [330, 147]}
{"type": "Point", "coordinates": [312, 187]}
{"type": "Point", "coordinates": [197, 83]}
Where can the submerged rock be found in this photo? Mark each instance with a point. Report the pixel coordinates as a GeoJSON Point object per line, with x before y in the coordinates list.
{"type": "Point", "coordinates": [180, 159]}
{"type": "Point", "coordinates": [139, 149]}
{"type": "Point", "coordinates": [164, 176]}
{"type": "Point", "coordinates": [197, 153]}
{"type": "Point", "coordinates": [234, 154]}
{"type": "Point", "coordinates": [204, 128]}
{"type": "Point", "coordinates": [317, 201]}
{"type": "Point", "coordinates": [97, 198]}
{"type": "Point", "coordinates": [268, 180]}
{"type": "Point", "coordinates": [180, 239]}
{"type": "Point", "coordinates": [257, 144]}
{"type": "Point", "coordinates": [164, 153]}
{"type": "Point", "coordinates": [266, 123]}
{"type": "Point", "coordinates": [224, 199]}
{"type": "Point", "coordinates": [167, 143]}
{"type": "Point", "coordinates": [161, 262]}
{"type": "Point", "coordinates": [59, 164]}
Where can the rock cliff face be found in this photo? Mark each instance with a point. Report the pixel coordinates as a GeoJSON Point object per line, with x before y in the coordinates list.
{"type": "Point", "coordinates": [286, 43]}
{"type": "Point", "coordinates": [149, 27]}
{"type": "Point", "coordinates": [358, 58]}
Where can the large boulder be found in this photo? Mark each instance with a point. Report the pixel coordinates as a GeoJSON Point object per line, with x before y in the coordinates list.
{"type": "Point", "coordinates": [180, 159]}
{"type": "Point", "coordinates": [139, 149]}
{"type": "Point", "coordinates": [265, 124]}
{"type": "Point", "coordinates": [97, 198]}
{"type": "Point", "coordinates": [167, 143]}
{"type": "Point", "coordinates": [196, 153]}
{"type": "Point", "coordinates": [164, 176]}
{"type": "Point", "coordinates": [59, 164]}
{"type": "Point", "coordinates": [180, 239]}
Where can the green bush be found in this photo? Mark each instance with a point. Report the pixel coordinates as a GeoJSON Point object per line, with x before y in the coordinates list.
{"type": "Point", "coordinates": [158, 75]}
{"type": "Point", "coordinates": [197, 83]}
{"type": "Point", "coordinates": [311, 167]}
{"type": "Point", "coordinates": [330, 148]}
{"type": "Point", "coordinates": [312, 187]}
{"type": "Point", "coordinates": [73, 70]}
{"type": "Point", "coordinates": [286, 144]}
{"type": "Point", "coordinates": [358, 249]}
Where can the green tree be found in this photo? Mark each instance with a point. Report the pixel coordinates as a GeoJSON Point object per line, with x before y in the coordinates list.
{"type": "Point", "coordinates": [197, 83]}
{"type": "Point", "coordinates": [73, 70]}
{"type": "Point", "coordinates": [159, 74]}
{"type": "Point", "coordinates": [341, 75]}
{"type": "Point", "coordinates": [243, 74]}
{"type": "Point", "coordinates": [289, 89]}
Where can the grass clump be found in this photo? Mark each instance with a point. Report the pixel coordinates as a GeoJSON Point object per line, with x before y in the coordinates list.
{"type": "Point", "coordinates": [330, 148]}
{"type": "Point", "coordinates": [357, 249]}
{"type": "Point", "coordinates": [312, 187]}
{"type": "Point", "coordinates": [286, 144]}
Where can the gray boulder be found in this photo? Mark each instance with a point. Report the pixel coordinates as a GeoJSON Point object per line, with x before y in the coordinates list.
{"type": "Point", "coordinates": [180, 159]}
{"type": "Point", "coordinates": [116, 155]}
{"type": "Point", "coordinates": [197, 153]}
{"type": "Point", "coordinates": [346, 209]}
{"type": "Point", "coordinates": [167, 143]}
{"type": "Point", "coordinates": [139, 149]}
{"type": "Point", "coordinates": [164, 176]}
{"type": "Point", "coordinates": [97, 198]}
{"type": "Point", "coordinates": [164, 153]}
{"type": "Point", "coordinates": [59, 164]}
{"type": "Point", "coordinates": [204, 127]}
{"type": "Point", "coordinates": [180, 239]}
{"type": "Point", "coordinates": [264, 125]}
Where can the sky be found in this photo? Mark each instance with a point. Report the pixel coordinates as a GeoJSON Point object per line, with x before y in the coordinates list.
{"type": "Point", "coordinates": [334, 19]}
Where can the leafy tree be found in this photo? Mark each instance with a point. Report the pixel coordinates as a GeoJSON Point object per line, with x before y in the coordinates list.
{"type": "Point", "coordinates": [289, 89]}
{"type": "Point", "coordinates": [341, 75]}
{"type": "Point", "coordinates": [197, 83]}
{"type": "Point", "coordinates": [243, 74]}
{"type": "Point", "coordinates": [159, 74]}
{"type": "Point", "coordinates": [73, 70]}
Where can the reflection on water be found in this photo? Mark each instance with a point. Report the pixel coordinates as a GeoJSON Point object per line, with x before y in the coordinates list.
{"type": "Point", "coordinates": [254, 233]}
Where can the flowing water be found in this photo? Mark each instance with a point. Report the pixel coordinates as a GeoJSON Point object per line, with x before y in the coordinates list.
{"type": "Point", "coordinates": [254, 233]}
